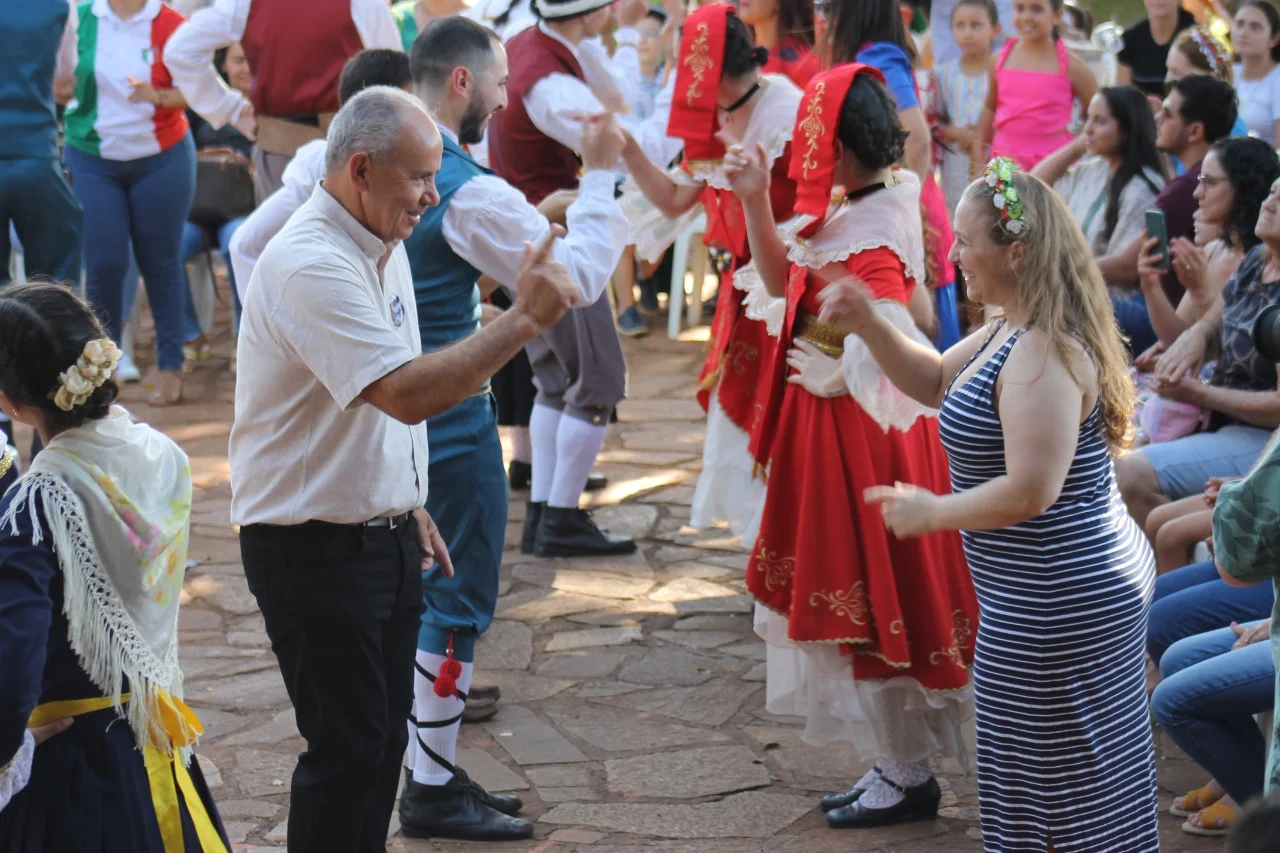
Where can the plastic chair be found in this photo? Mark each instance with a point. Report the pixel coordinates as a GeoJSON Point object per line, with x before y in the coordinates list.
{"type": "Point", "coordinates": [679, 266]}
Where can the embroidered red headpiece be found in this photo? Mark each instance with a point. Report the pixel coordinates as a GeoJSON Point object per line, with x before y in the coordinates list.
{"type": "Point", "coordinates": [693, 106]}
{"type": "Point", "coordinates": [813, 145]}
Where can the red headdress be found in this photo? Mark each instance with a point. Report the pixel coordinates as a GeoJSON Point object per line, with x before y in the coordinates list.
{"type": "Point", "coordinates": [701, 64]}
{"type": "Point", "coordinates": [813, 159]}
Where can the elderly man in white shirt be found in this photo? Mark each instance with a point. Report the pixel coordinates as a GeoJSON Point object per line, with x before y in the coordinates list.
{"type": "Point", "coordinates": [296, 48]}
{"type": "Point", "coordinates": [329, 456]}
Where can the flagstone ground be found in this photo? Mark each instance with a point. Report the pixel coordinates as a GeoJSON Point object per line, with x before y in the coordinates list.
{"type": "Point", "coordinates": [632, 715]}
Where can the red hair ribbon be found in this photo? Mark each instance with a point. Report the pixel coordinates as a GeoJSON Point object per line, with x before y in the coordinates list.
{"type": "Point", "coordinates": [698, 71]}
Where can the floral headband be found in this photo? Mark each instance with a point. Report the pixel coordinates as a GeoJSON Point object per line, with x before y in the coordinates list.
{"type": "Point", "coordinates": [1210, 48]}
{"type": "Point", "coordinates": [999, 185]}
{"type": "Point", "coordinates": [95, 365]}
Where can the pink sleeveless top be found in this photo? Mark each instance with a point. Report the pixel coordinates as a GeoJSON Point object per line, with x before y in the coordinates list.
{"type": "Point", "coordinates": [1033, 110]}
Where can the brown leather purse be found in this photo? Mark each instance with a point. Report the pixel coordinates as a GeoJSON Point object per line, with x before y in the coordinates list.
{"type": "Point", "coordinates": [224, 187]}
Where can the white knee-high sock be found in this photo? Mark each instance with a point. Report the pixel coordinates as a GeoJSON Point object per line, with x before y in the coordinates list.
{"type": "Point", "coordinates": [521, 445]}
{"type": "Point", "coordinates": [430, 710]}
{"type": "Point", "coordinates": [577, 444]}
{"type": "Point", "coordinates": [544, 425]}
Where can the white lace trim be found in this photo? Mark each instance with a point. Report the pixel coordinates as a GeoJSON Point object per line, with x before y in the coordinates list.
{"type": "Point", "coordinates": [878, 397]}
{"type": "Point", "coordinates": [772, 124]}
{"type": "Point", "coordinates": [759, 304]}
{"type": "Point", "coordinates": [16, 776]}
{"type": "Point", "coordinates": [103, 634]}
{"type": "Point", "coordinates": [651, 232]}
{"type": "Point", "coordinates": [890, 219]}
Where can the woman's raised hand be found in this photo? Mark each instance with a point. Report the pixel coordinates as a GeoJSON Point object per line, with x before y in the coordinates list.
{"type": "Point", "coordinates": [846, 304]}
{"type": "Point", "coordinates": [746, 168]}
{"type": "Point", "coordinates": [1189, 263]}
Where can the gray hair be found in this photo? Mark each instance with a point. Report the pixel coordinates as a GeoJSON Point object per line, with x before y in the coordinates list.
{"type": "Point", "coordinates": [369, 123]}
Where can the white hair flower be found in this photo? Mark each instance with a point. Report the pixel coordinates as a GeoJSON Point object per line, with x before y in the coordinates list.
{"type": "Point", "coordinates": [94, 367]}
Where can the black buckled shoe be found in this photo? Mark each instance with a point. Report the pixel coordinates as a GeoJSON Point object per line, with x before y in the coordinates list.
{"type": "Point", "coordinates": [570, 532]}
{"type": "Point", "coordinates": [532, 519]}
{"type": "Point", "coordinates": [838, 801]}
{"type": "Point", "coordinates": [918, 803]}
{"type": "Point", "coordinates": [457, 810]}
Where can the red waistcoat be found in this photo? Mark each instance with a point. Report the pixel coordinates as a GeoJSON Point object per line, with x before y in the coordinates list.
{"type": "Point", "coordinates": [522, 155]}
{"type": "Point", "coordinates": [296, 49]}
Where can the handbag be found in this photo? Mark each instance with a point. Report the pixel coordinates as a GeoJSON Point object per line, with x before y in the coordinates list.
{"type": "Point", "coordinates": [224, 187]}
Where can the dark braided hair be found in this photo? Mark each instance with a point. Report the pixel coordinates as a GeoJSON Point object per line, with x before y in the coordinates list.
{"type": "Point", "coordinates": [869, 126]}
{"type": "Point", "coordinates": [43, 330]}
{"type": "Point", "coordinates": [1251, 166]}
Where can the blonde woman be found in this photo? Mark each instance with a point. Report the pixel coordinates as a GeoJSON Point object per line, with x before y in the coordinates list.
{"type": "Point", "coordinates": [1032, 408]}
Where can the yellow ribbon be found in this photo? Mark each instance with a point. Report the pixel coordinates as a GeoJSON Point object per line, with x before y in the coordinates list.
{"type": "Point", "coordinates": [181, 727]}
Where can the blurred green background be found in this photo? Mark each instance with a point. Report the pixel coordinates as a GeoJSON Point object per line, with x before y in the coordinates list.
{"type": "Point", "coordinates": [1123, 11]}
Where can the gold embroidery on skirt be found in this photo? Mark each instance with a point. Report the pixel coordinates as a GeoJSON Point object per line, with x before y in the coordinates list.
{"type": "Point", "coordinates": [777, 570]}
{"type": "Point", "coordinates": [850, 603]}
{"type": "Point", "coordinates": [961, 631]}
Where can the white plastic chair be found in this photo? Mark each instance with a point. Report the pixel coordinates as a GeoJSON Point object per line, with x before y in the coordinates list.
{"type": "Point", "coordinates": [679, 266]}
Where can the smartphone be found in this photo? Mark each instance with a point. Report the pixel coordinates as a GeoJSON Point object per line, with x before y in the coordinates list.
{"type": "Point", "coordinates": [1156, 228]}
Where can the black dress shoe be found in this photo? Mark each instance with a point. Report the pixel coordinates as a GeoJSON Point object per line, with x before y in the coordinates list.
{"type": "Point", "coordinates": [519, 474]}
{"type": "Point", "coordinates": [918, 803]}
{"type": "Point", "coordinates": [839, 801]}
{"type": "Point", "coordinates": [485, 692]}
{"type": "Point", "coordinates": [456, 810]}
{"type": "Point", "coordinates": [596, 482]}
{"type": "Point", "coordinates": [532, 519]}
{"type": "Point", "coordinates": [570, 532]}
{"type": "Point", "coordinates": [508, 804]}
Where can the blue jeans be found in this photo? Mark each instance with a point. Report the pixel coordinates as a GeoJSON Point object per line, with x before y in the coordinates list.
{"type": "Point", "coordinates": [193, 243]}
{"type": "Point", "coordinates": [35, 198]}
{"type": "Point", "coordinates": [142, 202]}
{"type": "Point", "coordinates": [1206, 704]}
{"type": "Point", "coordinates": [1135, 321]}
{"type": "Point", "coordinates": [1193, 599]}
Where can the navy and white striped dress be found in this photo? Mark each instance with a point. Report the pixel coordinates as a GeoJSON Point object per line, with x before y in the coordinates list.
{"type": "Point", "coordinates": [1064, 742]}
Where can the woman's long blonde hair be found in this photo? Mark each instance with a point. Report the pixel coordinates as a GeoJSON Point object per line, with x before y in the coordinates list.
{"type": "Point", "coordinates": [1060, 288]}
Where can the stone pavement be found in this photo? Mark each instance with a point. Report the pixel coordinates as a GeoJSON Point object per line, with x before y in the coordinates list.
{"type": "Point", "coordinates": [632, 689]}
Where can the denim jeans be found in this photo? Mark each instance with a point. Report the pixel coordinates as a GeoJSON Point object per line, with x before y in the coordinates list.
{"type": "Point", "coordinates": [1135, 322]}
{"type": "Point", "coordinates": [193, 243]}
{"type": "Point", "coordinates": [1206, 704]}
{"type": "Point", "coordinates": [142, 202]}
{"type": "Point", "coordinates": [1193, 599]}
{"type": "Point", "coordinates": [36, 199]}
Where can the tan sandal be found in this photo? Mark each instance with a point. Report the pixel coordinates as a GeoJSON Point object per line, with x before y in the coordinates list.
{"type": "Point", "coordinates": [166, 389]}
{"type": "Point", "coordinates": [1215, 820]}
{"type": "Point", "coordinates": [1193, 802]}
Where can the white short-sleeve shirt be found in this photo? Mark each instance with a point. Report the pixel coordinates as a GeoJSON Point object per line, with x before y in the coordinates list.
{"type": "Point", "coordinates": [319, 326]}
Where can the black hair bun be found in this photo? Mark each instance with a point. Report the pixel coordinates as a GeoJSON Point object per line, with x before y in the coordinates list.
{"type": "Point", "coordinates": [98, 406]}
{"type": "Point", "coordinates": [760, 56]}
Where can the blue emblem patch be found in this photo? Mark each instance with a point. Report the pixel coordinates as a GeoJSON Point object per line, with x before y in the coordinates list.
{"type": "Point", "coordinates": [397, 311]}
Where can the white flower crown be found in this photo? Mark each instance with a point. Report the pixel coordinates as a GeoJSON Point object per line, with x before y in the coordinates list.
{"type": "Point", "coordinates": [95, 365]}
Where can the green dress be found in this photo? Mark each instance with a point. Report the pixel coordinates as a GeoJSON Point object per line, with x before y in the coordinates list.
{"type": "Point", "coordinates": [1246, 544]}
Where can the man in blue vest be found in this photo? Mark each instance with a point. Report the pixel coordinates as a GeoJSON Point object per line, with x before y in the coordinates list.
{"type": "Point", "coordinates": [480, 228]}
{"type": "Point", "coordinates": [40, 47]}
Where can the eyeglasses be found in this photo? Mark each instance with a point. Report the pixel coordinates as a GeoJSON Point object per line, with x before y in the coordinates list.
{"type": "Point", "coordinates": [1209, 181]}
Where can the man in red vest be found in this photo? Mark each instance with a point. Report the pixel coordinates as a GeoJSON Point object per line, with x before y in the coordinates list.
{"type": "Point", "coordinates": [557, 76]}
{"type": "Point", "coordinates": [296, 48]}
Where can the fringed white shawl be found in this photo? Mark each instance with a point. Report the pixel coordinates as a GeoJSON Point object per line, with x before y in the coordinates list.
{"type": "Point", "coordinates": [117, 506]}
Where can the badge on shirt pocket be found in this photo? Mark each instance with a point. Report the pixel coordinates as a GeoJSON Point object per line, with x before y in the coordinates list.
{"type": "Point", "coordinates": [148, 55]}
{"type": "Point", "coordinates": [397, 312]}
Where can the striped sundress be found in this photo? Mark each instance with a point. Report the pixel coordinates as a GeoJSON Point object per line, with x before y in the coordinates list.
{"type": "Point", "coordinates": [1064, 743]}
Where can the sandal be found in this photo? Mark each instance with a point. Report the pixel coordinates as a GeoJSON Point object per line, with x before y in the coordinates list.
{"type": "Point", "coordinates": [1215, 820]}
{"type": "Point", "coordinates": [195, 352]}
{"type": "Point", "coordinates": [166, 389]}
{"type": "Point", "coordinates": [1193, 802]}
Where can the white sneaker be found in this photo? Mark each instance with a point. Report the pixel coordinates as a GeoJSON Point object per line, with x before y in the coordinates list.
{"type": "Point", "coordinates": [126, 370]}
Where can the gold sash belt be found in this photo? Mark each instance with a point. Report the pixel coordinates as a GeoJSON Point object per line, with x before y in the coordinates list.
{"type": "Point", "coordinates": [827, 338]}
{"type": "Point", "coordinates": [162, 767]}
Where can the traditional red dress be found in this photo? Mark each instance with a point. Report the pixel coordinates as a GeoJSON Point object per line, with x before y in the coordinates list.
{"type": "Point", "coordinates": [862, 625]}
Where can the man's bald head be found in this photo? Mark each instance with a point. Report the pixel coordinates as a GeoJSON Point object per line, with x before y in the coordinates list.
{"type": "Point", "coordinates": [382, 157]}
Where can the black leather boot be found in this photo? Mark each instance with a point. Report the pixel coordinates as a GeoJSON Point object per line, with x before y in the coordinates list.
{"type": "Point", "coordinates": [570, 532]}
{"type": "Point", "coordinates": [918, 803]}
{"type": "Point", "coordinates": [532, 519]}
{"type": "Point", "coordinates": [458, 809]}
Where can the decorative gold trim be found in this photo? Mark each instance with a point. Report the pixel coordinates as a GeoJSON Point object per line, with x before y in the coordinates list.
{"type": "Point", "coordinates": [777, 570]}
{"type": "Point", "coordinates": [896, 627]}
{"type": "Point", "coordinates": [849, 603]}
{"type": "Point", "coordinates": [698, 61]}
{"type": "Point", "coordinates": [961, 630]}
{"type": "Point", "coordinates": [813, 128]}
{"type": "Point", "coordinates": [6, 461]}
{"type": "Point", "coordinates": [827, 338]}
{"type": "Point", "coordinates": [893, 663]}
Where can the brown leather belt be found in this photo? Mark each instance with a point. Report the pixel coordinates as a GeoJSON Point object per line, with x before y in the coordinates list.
{"type": "Point", "coordinates": [827, 338]}
{"type": "Point", "coordinates": [285, 137]}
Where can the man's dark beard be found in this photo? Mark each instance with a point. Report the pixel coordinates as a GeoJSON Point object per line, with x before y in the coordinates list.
{"type": "Point", "coordinates": [471, 130]}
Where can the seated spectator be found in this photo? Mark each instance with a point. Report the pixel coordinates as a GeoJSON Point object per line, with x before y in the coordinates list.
{"type": "Point", "coordinates": [1140, 62]}
{"type": "Point", "coordinates": [1195, 599]}
{"type": "Point", "coordinates": [1197, 51]}
{"type": "Point", "coordinates": [1241, 394]}
{"type": "Point", "coordinates": [1197, 113]}
{"type": "Point", "coordinates": [1235, 177]}
{"type": "Point", "coordinates": [1212, 685]}
{"type": "Point", "coordinates": [1109, 191]}
{"type": "Point", "coordinates": [1176, 528]}
{"type": "Point", "coordinates": [1256, 38]}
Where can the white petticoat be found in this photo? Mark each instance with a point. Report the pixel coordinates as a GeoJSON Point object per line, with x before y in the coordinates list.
{"type": "Point", "coordinates": [726, 490]}
{"type": "Point", "coordinates": [894, 718]}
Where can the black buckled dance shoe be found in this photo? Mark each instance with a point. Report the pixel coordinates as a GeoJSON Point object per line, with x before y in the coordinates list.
{"type": "Point", "coordinates": [520, 473]}
{"type": "Point", "coordinates": [460, 809]}
{"type": "Point", "coordinates": [918, 803]}
{"type": "Point", "coordinates": [838, 801]}
{"type": "Point", "coordinates": [570, 532]}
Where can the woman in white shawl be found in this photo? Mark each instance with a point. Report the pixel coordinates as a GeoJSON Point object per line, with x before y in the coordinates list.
{"type": "Point", "coordinates": [93, 543]}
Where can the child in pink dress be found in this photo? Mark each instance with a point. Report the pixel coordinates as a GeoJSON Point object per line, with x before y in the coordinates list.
{"type": "Point", "coordinates": [1033, 86]}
